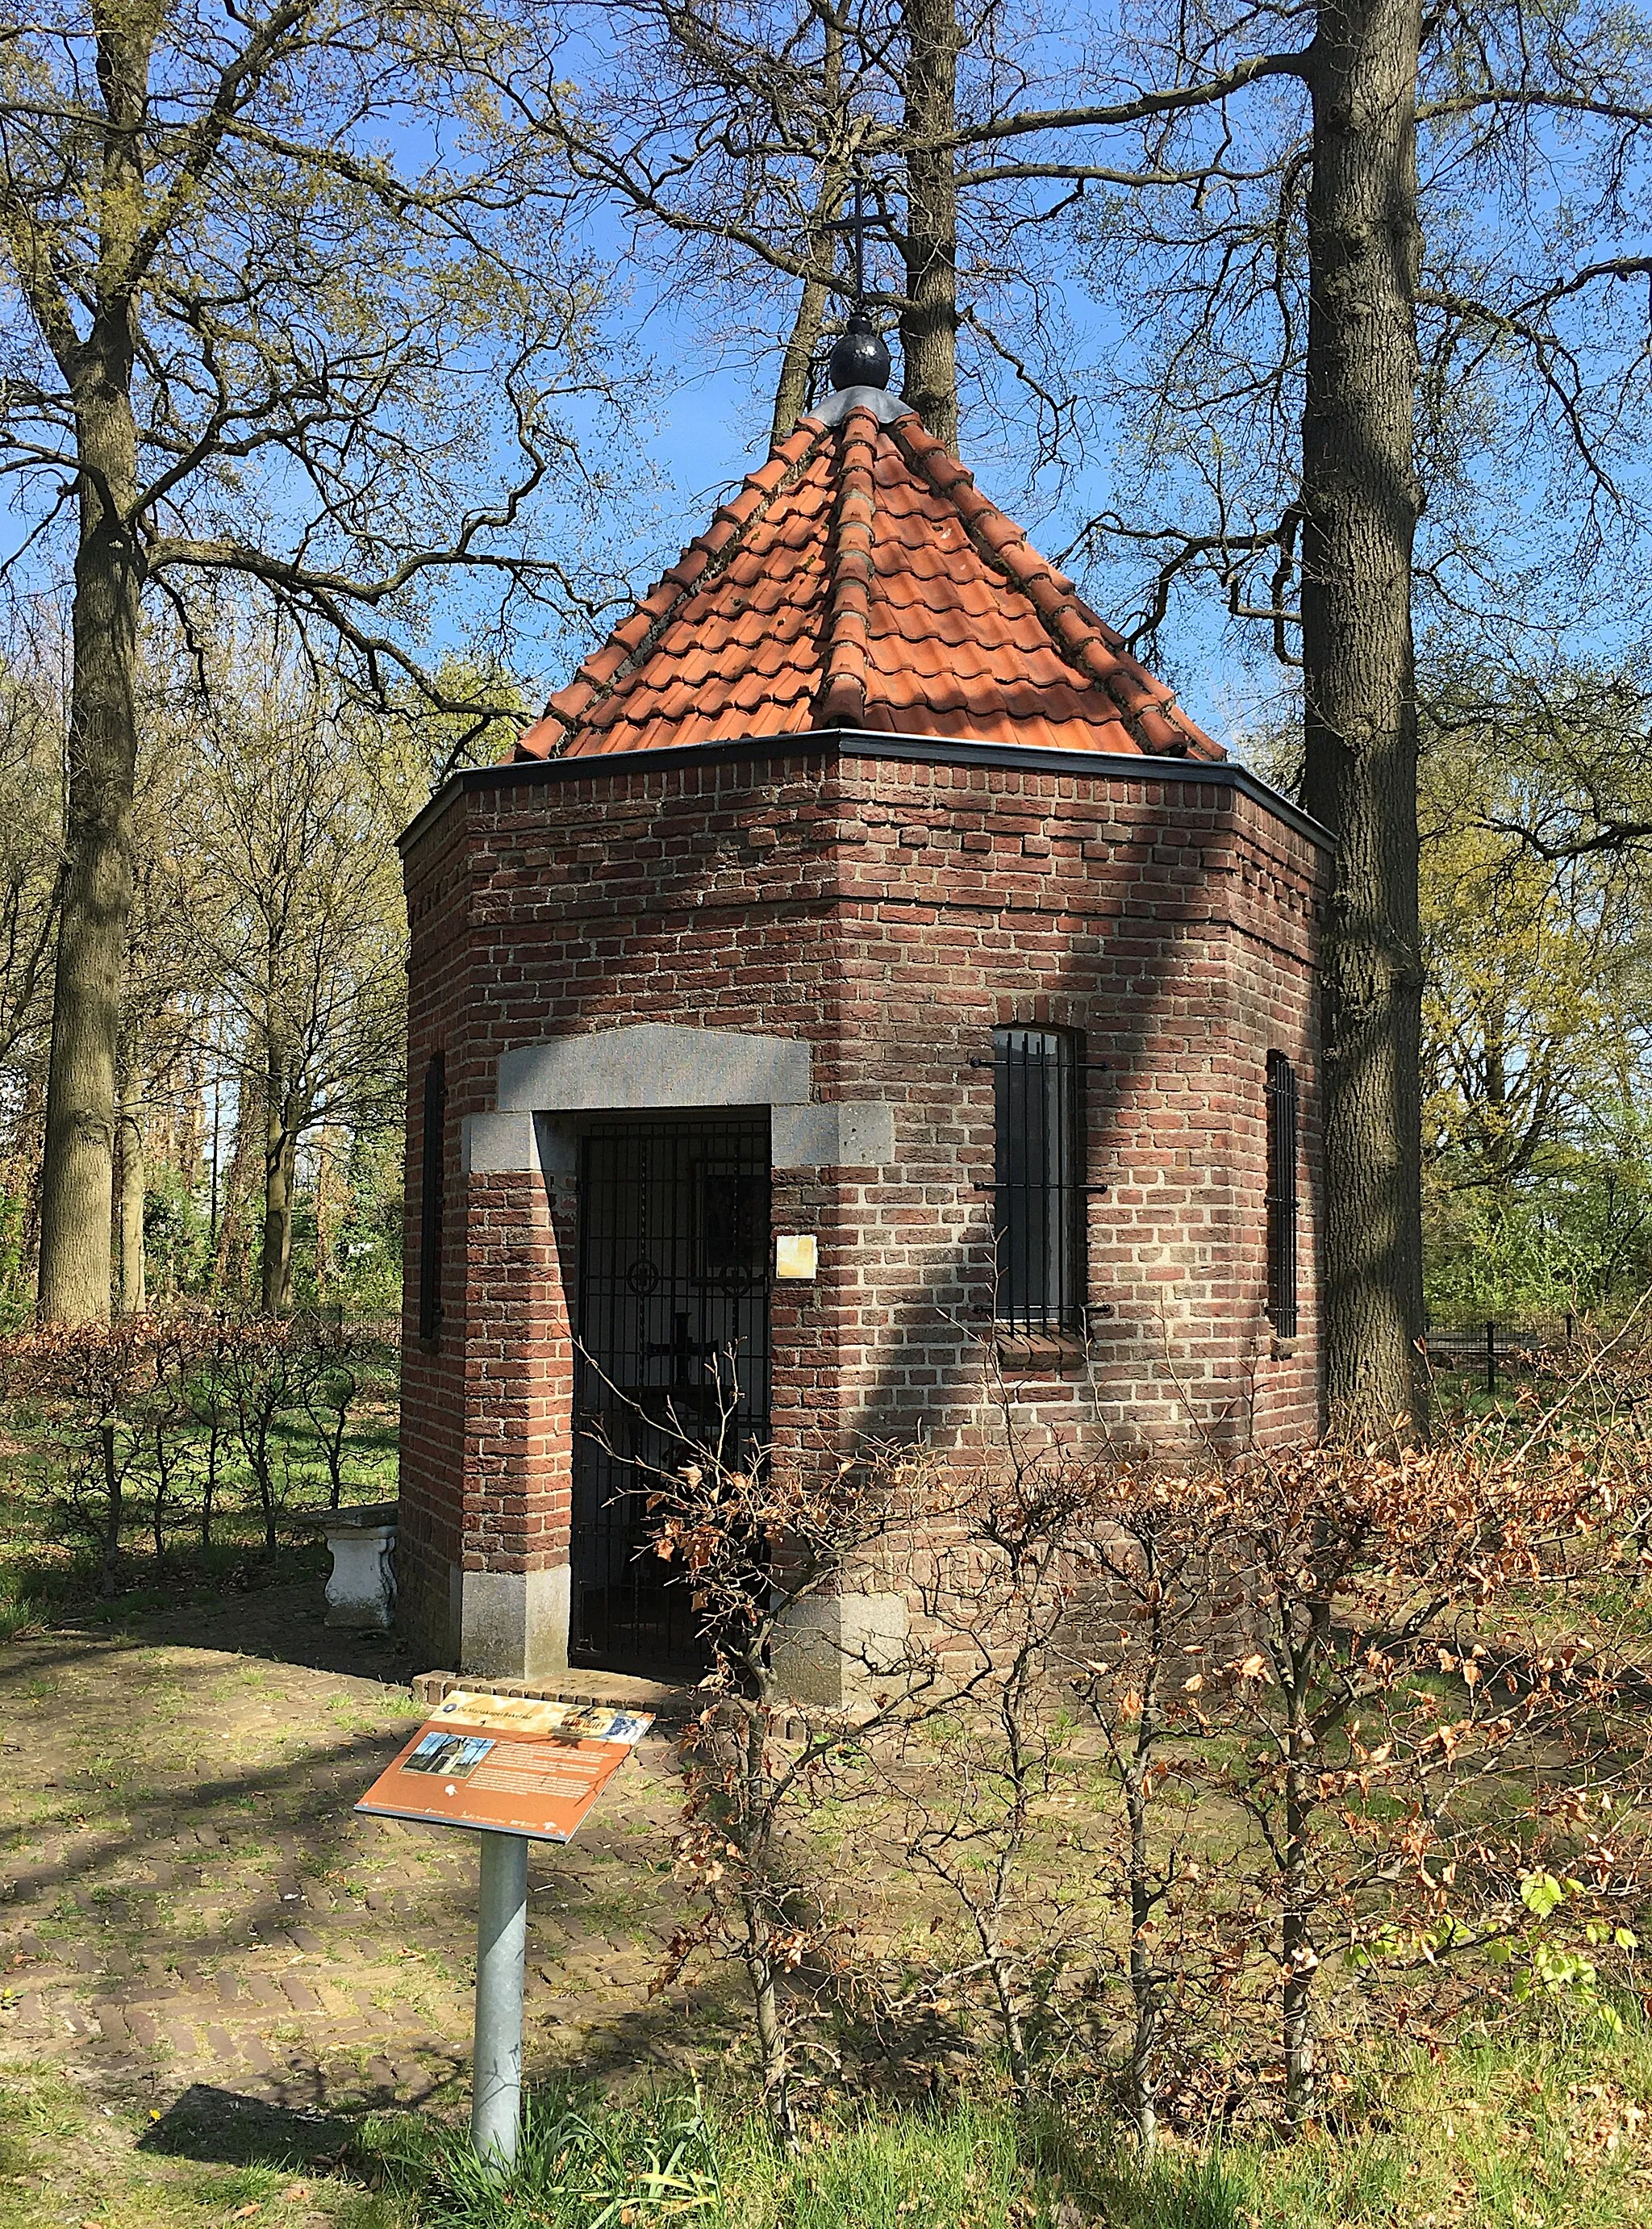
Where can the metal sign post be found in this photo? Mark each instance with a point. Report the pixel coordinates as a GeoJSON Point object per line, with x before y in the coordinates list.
{"type": "Point", "coordinates": [520, 1769]}
{"type": "Point", "coordinates": [501, 1954]}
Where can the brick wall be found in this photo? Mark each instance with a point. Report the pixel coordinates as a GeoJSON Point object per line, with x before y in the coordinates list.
{"type": "Point", "coordinates": [891, 911]}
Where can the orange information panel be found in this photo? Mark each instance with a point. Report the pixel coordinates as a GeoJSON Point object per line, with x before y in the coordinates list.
{"type": "Point", "coordinates": [506, 1764]}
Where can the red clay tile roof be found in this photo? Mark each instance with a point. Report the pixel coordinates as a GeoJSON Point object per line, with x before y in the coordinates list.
{"type": "Point", "coordinates": [860, 580]}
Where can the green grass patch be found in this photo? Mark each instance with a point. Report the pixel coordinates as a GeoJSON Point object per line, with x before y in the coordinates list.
{"type": "Point", "coordinates": [1541, 2129]}
{"type": "Point", "coordinates": [1546, 2128]}
{"type": "Point", "coordinates": [588, 2162]}
{"type": "Point", "coordinates": [65, 2157]}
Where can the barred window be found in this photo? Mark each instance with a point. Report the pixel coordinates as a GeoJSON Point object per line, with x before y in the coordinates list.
{"type": "Point", "coordinates": [1038, 1193]}
{"type": "Point", "coordinates": [1282, 1195]}
{"type": "Point", "coordinates": [431, 1195]}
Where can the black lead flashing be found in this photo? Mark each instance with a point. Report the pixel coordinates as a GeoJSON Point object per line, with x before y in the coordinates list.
{"type": "Point", "coordinates": [861, 743]}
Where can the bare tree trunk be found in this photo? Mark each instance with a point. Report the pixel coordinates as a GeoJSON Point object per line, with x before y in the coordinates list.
{"type": "Point", "coordinates": [792, 391]}
{"type": "Point", "coordinates": [239, 1185]}
{"type": "Point", "coordinates": [26, 1165]}
{"type": "Point", "coordinates": [77, 1178]}
{"type": "Point", "coordinates": [1301, 1959]}
{"type": "Point", "coordinates": [212, 1385]}
{"type": "Point", "coordinates": [134, 1284]}
{"type": "Point", "coordinates": [1004, 1969]}
{"type": "Point", "coordinates": [331, 1189]}
{"type": "Point", "coordinates": [1144, 1982]}
{"type": "Point", "coordinates": [1147, 1979]}
{"type": "Point", "coordinates": [280, 1163]}
{"type": "Point", "coordinates": [929, 249]}
{"type": "Point", "coordinates": [774, 2052]}
{"type": "Point", "coordinates": [1361, 498]}
{"type": "Point", "coordinates": [290, 1187]}
{"type": "Point", "coordinates": [114, 1480]}
{"type": "Point", "coordinates": [1303, 1641]}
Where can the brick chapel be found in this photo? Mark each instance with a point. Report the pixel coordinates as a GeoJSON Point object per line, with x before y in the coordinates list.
{"type": "Point", "coordinates": [864, 979]}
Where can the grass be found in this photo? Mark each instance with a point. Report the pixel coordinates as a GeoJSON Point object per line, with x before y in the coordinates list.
{"type": "Point", "coordinates": [1545, 2128]}
{"type": "Point", "coordinates": [64, 2158]}
{"type": "Point", "coordinates": [1542, 2128]}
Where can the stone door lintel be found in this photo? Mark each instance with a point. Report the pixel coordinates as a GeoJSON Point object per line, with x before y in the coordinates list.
{"type": "Point", "coordinates": [660, 1066]}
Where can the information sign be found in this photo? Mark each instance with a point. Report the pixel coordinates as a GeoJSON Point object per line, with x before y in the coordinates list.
{"type": "Point", "coordinates": [506, 1764]}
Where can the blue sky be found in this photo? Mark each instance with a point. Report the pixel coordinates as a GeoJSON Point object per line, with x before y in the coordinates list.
{"type": "Point", "coordinates": [710, 426]}
{"type": "Point", "coordinates": [707, 422]}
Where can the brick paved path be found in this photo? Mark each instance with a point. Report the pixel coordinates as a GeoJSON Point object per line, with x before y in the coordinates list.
{"type": "Point", "coordinates": [187, 1897]}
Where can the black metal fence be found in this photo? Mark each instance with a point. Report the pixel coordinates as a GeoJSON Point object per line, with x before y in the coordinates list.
{"type": "Point", "coordinates": [1491, 1348]}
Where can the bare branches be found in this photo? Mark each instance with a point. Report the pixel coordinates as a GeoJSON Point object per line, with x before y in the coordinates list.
{"type": "Point", "coordinates": [1167, 101]}
{"type": "Point", "coordinates": [725, 142]}
{"type": "Point", "coordinates": [294, 301]}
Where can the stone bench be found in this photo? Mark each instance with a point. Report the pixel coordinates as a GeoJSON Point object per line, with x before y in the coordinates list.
{"type": "Point", "coordinates": [361, 1539]}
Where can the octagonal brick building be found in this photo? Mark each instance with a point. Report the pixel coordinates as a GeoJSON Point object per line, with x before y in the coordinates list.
{"type": "Point", "coordinates": [864, 980]}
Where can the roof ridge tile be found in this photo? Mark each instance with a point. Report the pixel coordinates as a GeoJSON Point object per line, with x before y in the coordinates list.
{"type": "Point", "coordinates": [842, 701]}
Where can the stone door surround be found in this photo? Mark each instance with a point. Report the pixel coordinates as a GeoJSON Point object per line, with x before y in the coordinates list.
{"type": "Point", "coordinates": [646, 1066]}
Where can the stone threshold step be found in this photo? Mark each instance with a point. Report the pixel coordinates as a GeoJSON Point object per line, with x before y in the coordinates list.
{"type": "Point", "coordinates": [672, 1704]}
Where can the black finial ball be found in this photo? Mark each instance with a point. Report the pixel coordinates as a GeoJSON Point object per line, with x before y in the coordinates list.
{"type": "Point", "coordinates": [860, 358]}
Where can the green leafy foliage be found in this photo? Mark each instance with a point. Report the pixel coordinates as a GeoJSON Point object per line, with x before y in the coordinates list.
{"type": "Point", "coordinates": [1538, 1010]}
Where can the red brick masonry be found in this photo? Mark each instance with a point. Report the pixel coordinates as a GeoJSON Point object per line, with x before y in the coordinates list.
{"type": "Point", "coordinates": [886, 903]}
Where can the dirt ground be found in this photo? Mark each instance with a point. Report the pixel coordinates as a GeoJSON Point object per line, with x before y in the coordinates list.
{"type": "Point", "coordinates": [192, 1917]}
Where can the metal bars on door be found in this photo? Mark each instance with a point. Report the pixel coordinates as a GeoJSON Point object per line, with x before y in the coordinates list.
{"type": "Point", "coordinates": [673, 1356]}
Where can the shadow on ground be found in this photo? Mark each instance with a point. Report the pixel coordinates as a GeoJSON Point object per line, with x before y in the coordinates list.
{"type": "Point", "coordinates": [284, 1623]}
{"type": "Point", "coordinates": [222, 2126]}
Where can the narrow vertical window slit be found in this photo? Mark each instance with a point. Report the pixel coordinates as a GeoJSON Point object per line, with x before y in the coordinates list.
{"type": "Point", "coordinates": [431, 1195]}
{"type": "Point", "coordinates": [1281, 1195]}
{"type": "Point", "coordinates": [1039, 1190]}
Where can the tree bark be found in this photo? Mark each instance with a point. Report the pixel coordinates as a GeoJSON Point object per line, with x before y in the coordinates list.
{"type": "Point", "coordinates": [332, 1150]}
{"type": "Point", "coordinates": [791, 390]}
{"type": "Point", "coordinates": [134, 1282]}
{"type": "Point", "coordinates": [1360, 502]}
{"type": "Point", "coordinates": [280, 1163]}
{"type": "Point", "coordinates": [114, 1481]}
{"type": "Point", "coordinates": [1135, 1765]}
{"type": "Point", "coordinates": [1300, 1956]}
{"type": "Point", "coordinates": [929, 247]}
{"type": "Point", "coordinates": [77, 1176]}
{"type": "Point", "coordinates": [239, 1186]}
{"type": "Point", "coordinates": [757, 1892]}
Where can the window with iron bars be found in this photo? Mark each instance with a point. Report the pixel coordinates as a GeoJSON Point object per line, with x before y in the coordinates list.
{"type": "Point", "coordinates": [1281, 1195]}
{"type": "Point", "coordinates": [432, 1200]}
{"type": "Point", "coordinates": [1038, 1190]}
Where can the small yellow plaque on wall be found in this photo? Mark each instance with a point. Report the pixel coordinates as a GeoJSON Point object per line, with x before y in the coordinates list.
{"type": "Point", "coordinates": [796, 1256]}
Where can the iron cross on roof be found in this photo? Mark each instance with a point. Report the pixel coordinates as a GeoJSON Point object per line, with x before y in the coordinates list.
{"type": "Point", "coordinates": [860, 358]}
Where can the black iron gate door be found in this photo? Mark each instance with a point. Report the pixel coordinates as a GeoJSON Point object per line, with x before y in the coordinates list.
{"type": "Point", "coordinates": [672, 1351]}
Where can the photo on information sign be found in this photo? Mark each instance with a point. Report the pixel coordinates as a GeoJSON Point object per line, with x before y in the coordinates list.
{"type": "Point", "coordinates": [455, 1755]}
